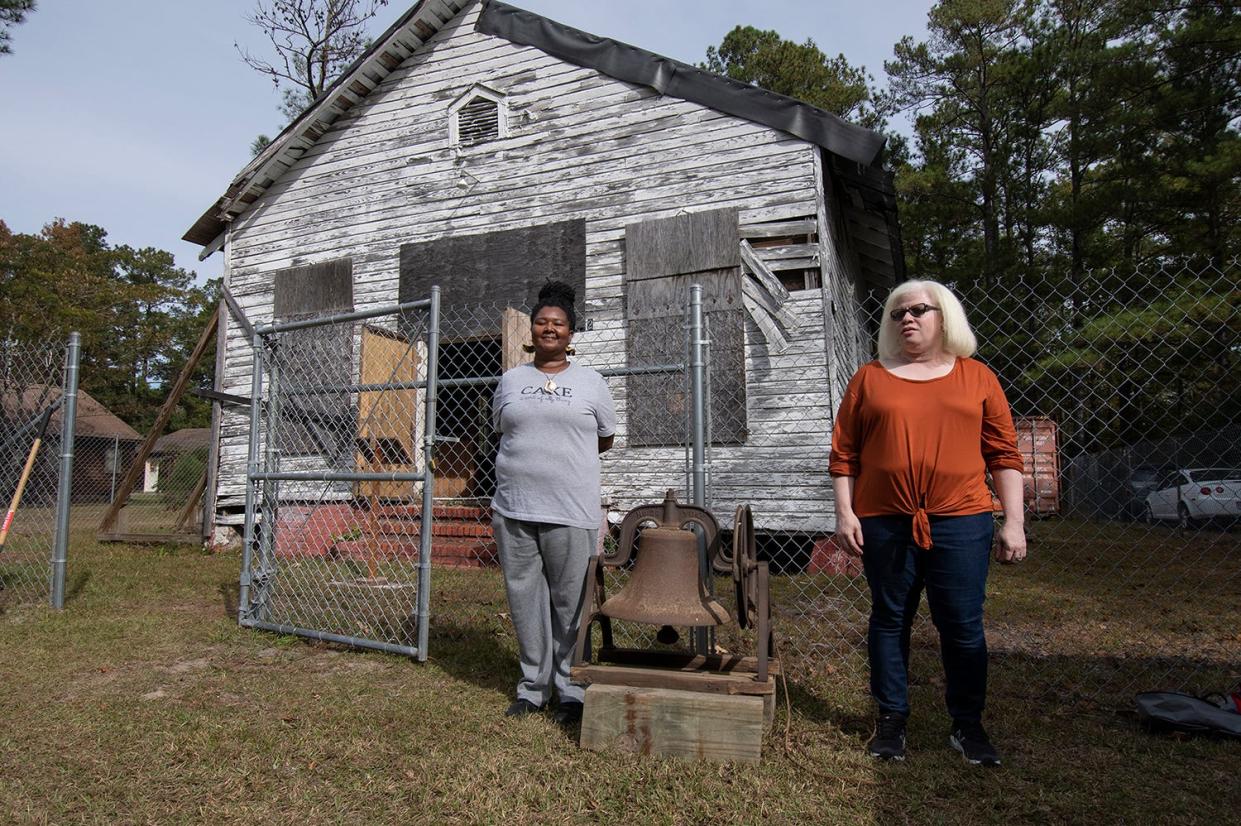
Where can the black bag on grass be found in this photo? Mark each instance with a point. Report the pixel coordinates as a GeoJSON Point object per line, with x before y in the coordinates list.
{"type": "Point", "coordinates": [1172, 711]}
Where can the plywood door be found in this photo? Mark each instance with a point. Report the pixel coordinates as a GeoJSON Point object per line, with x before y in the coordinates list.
{"type": "Point", "coordinates": [387, 419]}
{"type": "Point", "coordinates": [515, 330]}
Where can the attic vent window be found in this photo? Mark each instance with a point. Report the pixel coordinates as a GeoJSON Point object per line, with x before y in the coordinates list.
{"type": "Point", "coordinates": [478, 116]}
{"type": "Point", "coordinates": [478, 122]}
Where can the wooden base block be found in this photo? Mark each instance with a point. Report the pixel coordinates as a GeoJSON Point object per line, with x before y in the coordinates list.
{"type": "Point", "coordinates": [693, 724]}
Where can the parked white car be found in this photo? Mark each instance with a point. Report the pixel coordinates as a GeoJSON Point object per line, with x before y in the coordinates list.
{"type": "Point", "coordinates": [1192, 494]}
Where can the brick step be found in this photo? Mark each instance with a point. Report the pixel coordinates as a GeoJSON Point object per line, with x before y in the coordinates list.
{"type": "Point", "coordinates": [445, 527]}
{"type": "Point", "coordinates": [467, 553]}
{"type": "Point", "coordinates": [446, 512]}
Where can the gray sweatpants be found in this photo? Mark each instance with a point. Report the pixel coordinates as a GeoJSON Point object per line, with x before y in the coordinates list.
{"type": "Point", "coordinates": [545, 577]}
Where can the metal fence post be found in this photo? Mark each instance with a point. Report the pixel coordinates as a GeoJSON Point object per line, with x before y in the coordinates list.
{"type": "Point", "coordinates": [252, 458]}
{"type": "Point", "coordinates": [698, 422]}
{"type": "Point", "coordinates": [428, 475]}
{"type": "Point", "coordinates": [116, 461]}
{"type": "Point", "coordinates": [64, 492]}
{"type": "Point", "coordinates": [704, 640]}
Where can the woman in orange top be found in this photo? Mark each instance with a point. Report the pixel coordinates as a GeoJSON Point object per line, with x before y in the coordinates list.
{"type": "Point", "coordinates": [914, 436]}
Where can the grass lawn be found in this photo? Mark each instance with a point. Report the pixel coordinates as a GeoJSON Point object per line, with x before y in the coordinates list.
{"type": "Point", "coordinates": [143, 702]}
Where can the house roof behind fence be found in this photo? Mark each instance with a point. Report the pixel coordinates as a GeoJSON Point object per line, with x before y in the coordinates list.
{"type": "Point", "coordinates": [93, 419]}
{"type": "Point", "coordinates": [183, 440]}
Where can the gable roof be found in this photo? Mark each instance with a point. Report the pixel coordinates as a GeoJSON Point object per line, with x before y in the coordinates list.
{"type": "Point", "coordinates": [93, 419]}
{"type": "Point", "coordinates": [183, 440]}
{"type": "Point", "coordinates": [857, 145]}
{"type": "Point", "coordinates": [673, 78]}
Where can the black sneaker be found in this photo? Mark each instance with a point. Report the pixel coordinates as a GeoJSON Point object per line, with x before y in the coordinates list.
{"type": "Point", "coordinates": [971, 740]}
{"type": "Point", "coordinates": [888, 743]}
{"type": "Point", "coordinates": [520, 708]}
{"type": "Point", "coordinates": [567, 713]}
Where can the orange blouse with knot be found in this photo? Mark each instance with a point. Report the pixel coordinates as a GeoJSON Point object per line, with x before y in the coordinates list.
{"type": "Point", "coordinates": [920, 447]}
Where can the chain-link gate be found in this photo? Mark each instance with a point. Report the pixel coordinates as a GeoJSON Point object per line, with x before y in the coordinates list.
{"type": "Point", "coordinates": [339, 482]}
{"type": "Point", "coordinates": [372, 457]}
{"type": "Point", "coordinates": [38, 416]}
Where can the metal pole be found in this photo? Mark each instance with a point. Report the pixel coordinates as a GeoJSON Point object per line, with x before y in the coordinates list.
{"type": "Point", "coordinates": [342, 318]}
{"type": "Point", "coordinates": [698, 425]}
{"type": "Point", "coordinates": [64, 492]}
{"type": "Point", "coordinates": [428, 478]}
{"type": "Point", "coordinates": [116, 460]}
{"type": "Point", "coordinates": [703, 638]}
{"type": "Point", "coordinates": [271, 464]}
{"type": "Point", "coordinates": [252, 468]}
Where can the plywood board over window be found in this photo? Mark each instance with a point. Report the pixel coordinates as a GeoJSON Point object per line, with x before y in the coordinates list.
{"type": "Point", "coordinates": [503, 269]}
{"type": "Point", "coordinates": [488, 282]}
{"type": "Point", "coordinates": [663, 258]}
{"type": "Point", "coordinates": [317, 423]}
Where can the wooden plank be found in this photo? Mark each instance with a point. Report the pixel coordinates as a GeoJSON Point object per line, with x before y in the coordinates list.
{"type": "Point", "coordinates": [150, 538]}
{"type": "Point", "coordinates": [770, 254]}
{"type": "Point", "coordinates": [777, 342]}
{"type": "Point", "coordinates": [673, 723]}
{"type": "Point", "coordinates": [238, 314]}
{"type": "Point", "coordinates": [779, 229]}
{"type": "Point", "coordinates": [687, 243]}
{"type": "Point", "coordinates": [764, 275]}
{"type": "Point", "coordinates": [710, 682]}
{"type": "Point", "coordinates": [195, 495]}
{"type": "Point", "coordinates": [686, 661]}
{"type": "Point", "coordinates": [515, 335]}
{"type": "Point", "coordinates": [387, 419]}
{"type": "Point", "coordinates": [161, 421]}
{"type": "Point", "coordinates": [668, 297]}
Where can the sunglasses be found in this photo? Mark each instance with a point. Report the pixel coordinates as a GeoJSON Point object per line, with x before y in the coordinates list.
{"type": "Point", "coordinates": [917, 311]}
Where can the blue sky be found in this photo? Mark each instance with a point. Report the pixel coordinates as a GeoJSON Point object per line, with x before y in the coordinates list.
{"type": "Point", "coordinates": [135, 114]}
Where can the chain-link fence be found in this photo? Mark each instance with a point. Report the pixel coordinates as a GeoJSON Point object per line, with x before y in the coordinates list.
{"type": "Point", "coordinates": [1123, 387]}
{"type": "Point", "coordinates": [1135, 571]}
{"type": "Point", "coordinates": [39, 407]}
{"type": "Point", "coordinates": [1125, 395]}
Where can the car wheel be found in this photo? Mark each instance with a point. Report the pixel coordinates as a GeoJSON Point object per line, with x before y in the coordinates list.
{"type": "Point", "coordinates": [1182, 517]}
{"type": "Point", "coordinates": [1148, 516]}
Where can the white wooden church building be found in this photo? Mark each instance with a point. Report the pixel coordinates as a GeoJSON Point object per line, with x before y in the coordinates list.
{"type": "Point", "coordinates": [473, 126]}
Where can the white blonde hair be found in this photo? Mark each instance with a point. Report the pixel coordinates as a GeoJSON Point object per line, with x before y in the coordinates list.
{"type": "Point", "coordinates": [958, 338]}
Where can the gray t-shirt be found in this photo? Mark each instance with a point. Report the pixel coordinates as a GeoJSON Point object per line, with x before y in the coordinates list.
{"type": "Point", "coordinates": [547, 469]}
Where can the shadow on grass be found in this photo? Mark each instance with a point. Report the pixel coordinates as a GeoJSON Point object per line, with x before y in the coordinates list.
{"type": "Point", "coordinates": [474, 653]}
{"type": "Point", "coordinates": [814, 708]}
{"type": "Point", "coordinates": [230, 595]}
{"type": "Point", "coordinates": [76, 584]}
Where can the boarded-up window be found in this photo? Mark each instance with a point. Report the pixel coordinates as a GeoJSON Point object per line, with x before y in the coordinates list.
{"type": "Point", "coordinates": [663, 259]}
{"type": "Point", "coordinates": [498, 269]}
{"type": "Point", "coordinates": [314, 367]}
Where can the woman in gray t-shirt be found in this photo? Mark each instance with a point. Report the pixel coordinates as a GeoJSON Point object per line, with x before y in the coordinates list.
{"type": "Point", "coordinates": [554, 419]}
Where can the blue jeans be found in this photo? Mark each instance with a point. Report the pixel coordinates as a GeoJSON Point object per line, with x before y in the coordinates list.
{"type": "Point", "coordinates": [954, 574]}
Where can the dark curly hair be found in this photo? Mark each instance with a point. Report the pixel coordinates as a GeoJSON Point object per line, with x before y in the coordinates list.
{"type": "Point", "coordinates": [557, 294]}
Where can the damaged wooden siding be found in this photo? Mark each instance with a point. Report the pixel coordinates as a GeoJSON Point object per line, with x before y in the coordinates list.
{"type": "Point", "coordinates": [580, 145]}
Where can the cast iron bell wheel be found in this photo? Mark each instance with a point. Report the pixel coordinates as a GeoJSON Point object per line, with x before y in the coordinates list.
{"type": "Point", "coordinates": [741, 561]}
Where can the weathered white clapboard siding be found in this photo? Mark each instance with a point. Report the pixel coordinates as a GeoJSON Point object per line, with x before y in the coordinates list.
{"type": "Point", "coordinates": [581, 145]}
{"type": "Point", "coordinates": [604, 163]}
{"type": "Point", "coordinates": [781, 470]}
